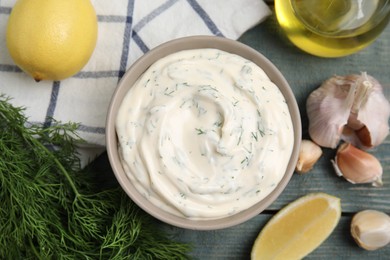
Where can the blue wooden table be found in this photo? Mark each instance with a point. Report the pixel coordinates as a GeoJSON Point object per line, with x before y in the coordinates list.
{"type": "Point", "coordinates": [305, 73]}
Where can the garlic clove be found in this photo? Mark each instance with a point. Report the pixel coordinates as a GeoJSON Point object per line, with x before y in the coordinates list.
{"type": "Point", "coordinates": [309, 154]}
{"type": "Point", "coordinates": [357, 166]}
{"type": "Point", "coordinates": [371, 229]}
{"type": "Point", "coordinates": [370, 109]}
{"type": "Point", "coordinates": [352, 108]}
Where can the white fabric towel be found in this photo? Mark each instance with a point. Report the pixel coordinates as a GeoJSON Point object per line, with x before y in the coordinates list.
{"type": "Point", "coordinates": [127, 30]}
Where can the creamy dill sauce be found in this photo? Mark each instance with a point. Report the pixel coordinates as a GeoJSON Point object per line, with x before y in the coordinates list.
{"type": "Point", "coordinates": [204, 134]}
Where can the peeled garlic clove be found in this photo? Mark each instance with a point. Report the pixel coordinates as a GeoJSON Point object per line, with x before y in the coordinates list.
{"type": "Point", "coordinates": [309, 154]}
{"type": "Point", "coordinates": [357, 166]}
{"type": "Point", "coordinates": [371, 229]}
{"type": "Point", "coordinates": [352, 108]}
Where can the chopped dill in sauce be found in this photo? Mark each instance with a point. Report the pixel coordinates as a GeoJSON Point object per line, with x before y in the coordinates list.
{"type": "Point", "coordinates": [200, 133]}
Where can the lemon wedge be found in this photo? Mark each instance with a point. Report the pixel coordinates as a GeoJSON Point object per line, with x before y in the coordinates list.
{"type": "Point", "coordinates": [298, 228]}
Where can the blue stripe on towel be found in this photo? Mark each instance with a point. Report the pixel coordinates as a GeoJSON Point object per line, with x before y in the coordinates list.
{"type": "Point", "coordinates": [111, 18]}
{"type": "Point", "coordinates": [5, 10]}
{"type": "Point", "coordinates": [97, 74]}
{"type": "Point", "coordinates": [91, 129]}
{"type": "Point", "coordinates": [51, 109]}
{"type": "Point", "coordinates": [52, 104]}
{"type": "Point", "coordinates": [144, 21]}
{"type": "Point", "coordinates": [126, 39]}
{"type": "Point", "coordinates": [9, 68]}
{"type": "Point", "coordinates": [141, 44]}
{"type": "Point", "coordinates": [205, 17]}
{"type": "Point", "coordinates": [153, 14]}
{"type": "Point", "coordinates": [80, 127]}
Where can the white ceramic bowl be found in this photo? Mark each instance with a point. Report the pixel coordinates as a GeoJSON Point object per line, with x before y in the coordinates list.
{"type": "Point", "coordinates": [196, 42]}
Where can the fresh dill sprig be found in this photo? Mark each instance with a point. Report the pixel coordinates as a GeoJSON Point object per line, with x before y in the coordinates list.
{"type": "Point", "coordinates": [52, 209]}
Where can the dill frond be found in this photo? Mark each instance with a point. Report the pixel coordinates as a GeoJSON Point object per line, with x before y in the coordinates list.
{"type": "Point", "coordinates": [53, 209]}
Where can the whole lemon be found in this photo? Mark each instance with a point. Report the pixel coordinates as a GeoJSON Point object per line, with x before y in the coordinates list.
{"type": "Point", "coordinates": [51, 39]}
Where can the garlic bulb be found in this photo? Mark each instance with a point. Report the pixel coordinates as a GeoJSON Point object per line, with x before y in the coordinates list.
{"type": "Point", "coordinates": [350, 108]}
{"type": "Point", "coordinates": [309, 154]}
{"type": "Point", "coordinates": [357, 166]}
{"type": "Point", "coordinates": [371, 229]}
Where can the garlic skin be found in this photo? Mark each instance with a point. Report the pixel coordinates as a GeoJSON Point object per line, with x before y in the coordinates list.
{"type": "Point", "coordinates": [357, 166]}
{"type": "Point", "coordinates": [309, 154]}
{"type": "Point", "coordinates": [352, 108]}
{"type": "Point", "coordinates": [371, 229]}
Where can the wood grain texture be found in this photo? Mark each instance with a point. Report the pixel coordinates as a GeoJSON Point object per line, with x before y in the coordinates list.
{"type": "Point", "coordinates": [236, 242]}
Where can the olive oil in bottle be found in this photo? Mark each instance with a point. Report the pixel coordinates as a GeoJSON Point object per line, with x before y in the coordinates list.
{"type": "Point", "coordinates": [332, 28]}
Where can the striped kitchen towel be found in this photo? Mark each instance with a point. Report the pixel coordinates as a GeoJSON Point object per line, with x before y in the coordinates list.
{"type": "Point", "coordinates": [127, 30]}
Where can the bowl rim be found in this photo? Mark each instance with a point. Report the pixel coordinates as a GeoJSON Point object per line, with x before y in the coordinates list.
{"type": "Point", "coordinates": [186, 43]}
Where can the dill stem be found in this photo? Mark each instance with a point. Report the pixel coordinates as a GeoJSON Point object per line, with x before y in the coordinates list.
{"type": "Point", "coordinates": [59, 164]}
{"type": "Point", "coordinates": [34, 249]}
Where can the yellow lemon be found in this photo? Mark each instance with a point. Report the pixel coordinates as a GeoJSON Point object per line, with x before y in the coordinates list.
{"type": "Point", "coordinates": [299, 228]}
{"type": "Point", "coordinates": [51, 39]}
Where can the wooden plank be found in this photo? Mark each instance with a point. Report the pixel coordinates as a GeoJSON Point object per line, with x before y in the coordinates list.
{"type": "Point", "coordinates": [354, 197]}
{"type": "Point", "coordinates": [236, 242]}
